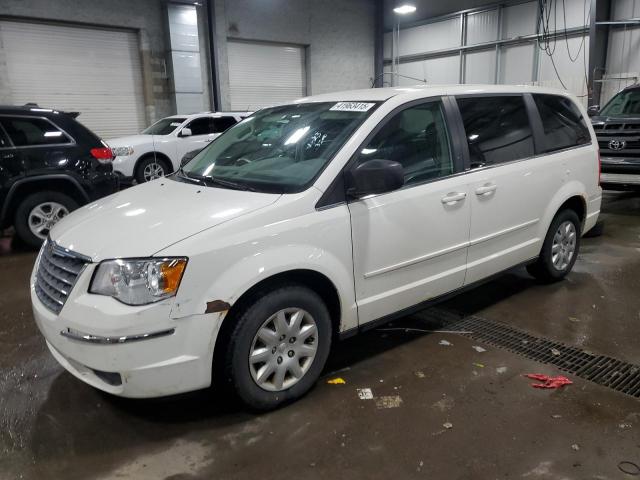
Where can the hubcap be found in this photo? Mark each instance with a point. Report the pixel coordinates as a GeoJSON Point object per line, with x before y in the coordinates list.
{"type": "Point", "coordinates": [44, 216]}
{"type": "Point", "coordinates": [564, 245]}
{"type": "Point", "coordinates": [283, 349]}
{"type": "Point", "coordinates": [152, 171]}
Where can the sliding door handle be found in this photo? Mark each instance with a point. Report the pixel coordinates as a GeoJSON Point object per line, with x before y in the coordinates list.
{"type": "Point", "coordinates": [453, 197]}
{"type": "Point", "coordinates": [486, 190]}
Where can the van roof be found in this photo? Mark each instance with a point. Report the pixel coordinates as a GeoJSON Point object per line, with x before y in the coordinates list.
{"type": "Point", "coordinates": [382, 94]}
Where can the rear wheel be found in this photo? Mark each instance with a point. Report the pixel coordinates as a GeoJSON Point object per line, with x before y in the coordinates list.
{"type": "Point", "coordinates": [278, 347]}
{"type": "Point", "coordinates": [150, 168]}
{"type": "Point", "coordinates": [560, 248]}
{"type": "Point", "coordinates": [38, 213]}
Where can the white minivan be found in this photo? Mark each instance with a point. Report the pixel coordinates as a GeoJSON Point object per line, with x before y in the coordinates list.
{"type": "Point", "coordinates": [308, 222]}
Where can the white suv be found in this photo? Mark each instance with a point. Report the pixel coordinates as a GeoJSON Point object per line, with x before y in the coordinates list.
{"type": "Point", "coordinates": [159, 149]}
{"type": "Point", "coordinates": [308, 222]}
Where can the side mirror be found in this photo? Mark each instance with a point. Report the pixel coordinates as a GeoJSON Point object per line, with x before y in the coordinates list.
{"type": "Point", "coordinates": [593, 110]}
{"type": "Point", "coordinates": [187, 157]}
{"type": "Point", "coordinates": [185, 132]}
{"type": "Point", "coordinates": [373, 177]}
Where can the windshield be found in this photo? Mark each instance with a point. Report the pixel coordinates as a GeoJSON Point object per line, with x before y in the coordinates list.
{"type": "Point", "coordinates": [625, 104]}
{"type": "Point", "coordinates": [280, 149]}
{"type": "Point", "coordinates": [164, 126]}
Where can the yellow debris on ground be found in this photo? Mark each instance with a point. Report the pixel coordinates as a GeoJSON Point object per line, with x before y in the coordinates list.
{"type": "Point", "coordinates": [336, 381]}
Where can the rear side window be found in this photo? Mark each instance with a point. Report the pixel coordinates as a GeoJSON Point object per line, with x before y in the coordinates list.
{"type": "Point", "coordinates": [222, 123]}
{"type": "Point", "coordinates": [497, 129]}
{"type": "Point", "coordinates": [562, 122]}
{"type": "Point", "coordinates": [201, 126]}
{"type": "Point", "coordinates": [28, 132]}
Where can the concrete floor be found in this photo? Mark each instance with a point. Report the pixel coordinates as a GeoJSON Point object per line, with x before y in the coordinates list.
{"type": "Point", "coordinates": [54, 426]}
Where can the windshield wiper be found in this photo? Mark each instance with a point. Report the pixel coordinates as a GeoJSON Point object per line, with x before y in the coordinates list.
{"type": "Point", "coordinates": [228, 183]}
{"type": "Point", "coordinates": [189, 178]}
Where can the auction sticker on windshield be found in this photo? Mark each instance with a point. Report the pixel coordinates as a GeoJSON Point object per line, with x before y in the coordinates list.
{"type": "Point", "coordinates": [352, 106]}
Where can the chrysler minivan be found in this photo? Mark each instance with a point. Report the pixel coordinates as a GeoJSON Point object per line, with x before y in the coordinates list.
{"type": "Point", "coordinates": [308, 222]}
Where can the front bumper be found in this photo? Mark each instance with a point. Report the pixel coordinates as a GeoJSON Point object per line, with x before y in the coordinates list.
{"type": "Point", "coordinates": [620, 173]}
{"type": "Point", "coordinates": [100, 184]}
{"type": "Point", "coordinates": [124, 165]}
{"type": "Point", "coordinates": [147, 353]}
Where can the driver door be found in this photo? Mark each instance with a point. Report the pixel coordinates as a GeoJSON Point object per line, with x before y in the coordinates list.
{"type": "Point", "coordinates": [410, 245]}
{"type": "Point", "coordinates": [202, 132]}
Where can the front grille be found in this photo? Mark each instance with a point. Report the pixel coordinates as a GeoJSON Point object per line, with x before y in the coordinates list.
{"type": "Point", "coordinates": [629, 144]}
{"type": "Point", "coordinates": [56, 274]}
{"type": "Point", "coordinates": [619, 129]}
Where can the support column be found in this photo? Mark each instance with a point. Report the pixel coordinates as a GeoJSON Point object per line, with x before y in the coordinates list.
{"type": "Point", "coordinates": [378, 42]}
{"type": "Point", "coordinates": [147, 78]}
{"type": "Point", "coordinates": [598, 45]}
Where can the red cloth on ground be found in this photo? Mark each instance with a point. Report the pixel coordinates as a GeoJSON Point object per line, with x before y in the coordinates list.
{"type": "Point", "coordinates": [548, 381]}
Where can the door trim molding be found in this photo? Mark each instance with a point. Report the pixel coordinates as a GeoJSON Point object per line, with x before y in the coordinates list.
{"type": "Point", "coordinates": [413, 261]}
{"type": "Point", "coordinates": [503, 232]}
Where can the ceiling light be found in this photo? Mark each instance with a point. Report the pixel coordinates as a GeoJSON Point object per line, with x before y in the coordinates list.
{"type": "Point", "coordinates": [404, 9]}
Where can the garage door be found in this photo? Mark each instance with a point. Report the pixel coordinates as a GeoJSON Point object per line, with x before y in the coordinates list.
{"type": "Point", "coordinates": [92, 71]}
{"type": "Point", "coordinates": [262, 74]}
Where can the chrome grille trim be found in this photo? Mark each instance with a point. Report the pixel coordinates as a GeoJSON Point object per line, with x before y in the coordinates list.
{"type": "Point", "coordinates": [102, 340]}
{"type": "Point", "coordinates": [57, 271]}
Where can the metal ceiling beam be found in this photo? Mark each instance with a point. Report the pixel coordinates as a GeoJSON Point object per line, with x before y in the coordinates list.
{"type": "Point", "coordinates": [571, 32]}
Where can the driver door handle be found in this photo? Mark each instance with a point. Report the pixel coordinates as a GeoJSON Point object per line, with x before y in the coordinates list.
{"type": "Point", "coordinates": [486, 190]}
{"type": "Point", "coordinates": [453, 197]}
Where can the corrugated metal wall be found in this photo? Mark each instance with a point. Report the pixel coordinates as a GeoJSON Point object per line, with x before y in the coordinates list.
{"type": "Point", "coordinates": [516, 63]}
{"type": "Point", "coordinates": [623, 55]}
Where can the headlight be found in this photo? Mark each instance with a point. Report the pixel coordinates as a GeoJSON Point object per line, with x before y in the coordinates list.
{"type": "Point", "coordinates": [139, 281]}
{"type": "Point", "coordinates": [122, 151]}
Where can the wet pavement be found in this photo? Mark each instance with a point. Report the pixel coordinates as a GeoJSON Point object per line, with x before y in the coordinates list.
{"type": "Point", "coordinates": [439, 411]}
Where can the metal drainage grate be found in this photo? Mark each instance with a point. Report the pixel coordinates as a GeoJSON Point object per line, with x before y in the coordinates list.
{"type": "Point", "coordinates": [606, 371]}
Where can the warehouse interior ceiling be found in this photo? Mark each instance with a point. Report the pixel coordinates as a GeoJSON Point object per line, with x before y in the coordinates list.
{"type": "Point", "coordinates": [426, 9]}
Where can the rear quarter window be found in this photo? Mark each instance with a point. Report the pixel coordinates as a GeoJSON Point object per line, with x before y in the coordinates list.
{"type": "Point", "coordinates": [563, 124]}
{"type": "Point", "coordinates": [28, 132]}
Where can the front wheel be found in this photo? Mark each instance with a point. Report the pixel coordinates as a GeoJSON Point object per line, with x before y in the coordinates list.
{"type": "Point", "coordinates": [151, 168]}
{"type": "Point", "coordinates": [278, 347]}
{"type": "Point", "coordinates": [560, 248]}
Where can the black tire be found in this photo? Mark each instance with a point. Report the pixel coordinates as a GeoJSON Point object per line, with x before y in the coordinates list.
{"type": "Point", "coordinates": [544, 269]}
{"type": "Point", "coordinates": [146, 162]}
{"type": "Point", "coordinates": [236, 371]}
{"type": "Point", "coordinates": [24, 210]}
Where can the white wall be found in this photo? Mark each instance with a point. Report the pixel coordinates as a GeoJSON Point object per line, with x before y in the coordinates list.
{"type": "Point", "coordinates": [188, 63]}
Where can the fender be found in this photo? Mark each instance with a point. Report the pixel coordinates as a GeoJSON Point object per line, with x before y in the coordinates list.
{"type": "Point", "coordinates": [570, 189]}
{"type": "Point", "coordinates": [155, 154]}
{"type": "Point", "coordinates": [250, 271]}
{"type": "Point", "coordinates": [54, 176]}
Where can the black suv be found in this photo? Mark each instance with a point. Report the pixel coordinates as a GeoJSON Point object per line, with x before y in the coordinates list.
{"type": "Point", "coordinates": [617, 127]}
{"type": "Point", "coordinates": [49, 165]}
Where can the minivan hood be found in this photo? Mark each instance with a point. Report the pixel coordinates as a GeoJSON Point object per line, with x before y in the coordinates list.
{"type": "Point", "coordinates": [145, 219]}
